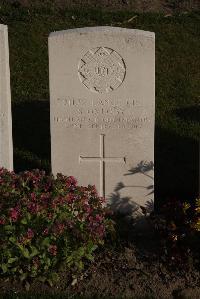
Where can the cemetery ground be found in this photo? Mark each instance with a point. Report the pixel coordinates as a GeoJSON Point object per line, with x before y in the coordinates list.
{"type": "Point", "coordinates": [164, 6]}
{"type": "Point", "coordinates": [134, 264]}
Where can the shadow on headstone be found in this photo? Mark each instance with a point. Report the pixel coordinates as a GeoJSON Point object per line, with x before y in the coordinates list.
{"type": "Point", "coordinates": [31, 135]}
{"type": "Point", "coordinates": [176, 173]}
{"type": "Point", "coordinates": [124, 204]}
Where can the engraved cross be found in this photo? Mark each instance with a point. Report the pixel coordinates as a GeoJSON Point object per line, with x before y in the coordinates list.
{"type": "Point", "coordinates": [102, 160]}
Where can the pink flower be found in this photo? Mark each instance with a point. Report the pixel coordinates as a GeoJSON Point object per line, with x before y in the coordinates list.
{"type": "Point", "coordinates": [83, 189]}
{"type": "Point", "coordinates": [71, 181]}
{"type": "Point", "coordinates": [54, 204]}
{"type": "Point", "coordinates": [45, 231]}
{"type": "Point", "coordinates": [33, 208]}
{"type": "Point", "coordinates": [58, 229]}
{"type": "Point", "coordinates": [36, 262]}
{"type": "Point", "coordinates": [47, 187]}
{"type": "Point", "coordinates": [52, 250]}
{"type": "Point", "coordinates": [70, 198]}
{"type": "Point", "coordinates": [26, 239]}
{"type": "Point", "coordinates": [98, 218]}
{"type": "Point", "coordinates": [87, 209]}
{"type": "Point", "coordinates": [14, 214]}
{"type": "Point", "coordinates": [93, 190]}
{"type": "Point", "coordinates": [33, 196]}
{"type": "Point", "coordinates": [50, 216]}
{"type": "Point", "coordinates": [91, 219]}
{"type": "Point", "coordinates": [70, 223]}
{"type": "Point", "coordinates": [2, 221]}
{"type": "Point", "coordinates": [45, 196]}
{"type": "Point", "coordinates": [100, 230]}
{"type": "Point", "coordinates": [30, 234]}
{"type": "Point", "coordinates": [102, 200]}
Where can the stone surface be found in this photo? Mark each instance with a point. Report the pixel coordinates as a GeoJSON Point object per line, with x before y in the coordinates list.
{"type": "Point", "coordinates": [102, 111]}
{"type": "Point", "coordinates": [6, 146]}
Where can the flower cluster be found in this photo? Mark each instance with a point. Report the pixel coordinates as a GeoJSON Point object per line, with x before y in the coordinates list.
{"type": "Point", "coordinates": [176, 223]}
{"type": "Point", "coordinates": [46, 221]}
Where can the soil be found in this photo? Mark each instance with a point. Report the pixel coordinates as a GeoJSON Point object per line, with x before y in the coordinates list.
{"type": "Point", "coordinates": [163, 6]}
{"type": "Point", "coordinates": [131, 268]}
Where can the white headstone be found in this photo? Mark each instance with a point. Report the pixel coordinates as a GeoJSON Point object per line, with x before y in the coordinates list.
{"type": "Point", "coordinates": [102, 111]}
{"type": "Point", "coordinates": [6, 145]}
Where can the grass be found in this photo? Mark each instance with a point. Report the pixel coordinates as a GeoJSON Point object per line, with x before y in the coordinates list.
{"type": "Point", "coordinates": [177, 87]}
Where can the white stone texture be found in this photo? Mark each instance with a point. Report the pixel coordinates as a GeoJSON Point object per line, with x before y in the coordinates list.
{"type": "Point", "coordinates": [6, 144]}
{"type": "Point", "coordinates": [102, 101]}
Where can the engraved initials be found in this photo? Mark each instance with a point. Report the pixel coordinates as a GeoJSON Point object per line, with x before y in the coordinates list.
{"type": "Point", "coordinates": [102, 71]}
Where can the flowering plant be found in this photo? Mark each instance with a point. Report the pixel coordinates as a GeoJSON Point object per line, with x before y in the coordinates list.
{"type": "Point", "coordinates": [46, 222]}
{"type": "Point", "coordinates": [177, 223]}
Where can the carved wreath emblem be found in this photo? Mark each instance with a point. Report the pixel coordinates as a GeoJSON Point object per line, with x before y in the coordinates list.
{"type": "Point", "coordinates": [102, 70]}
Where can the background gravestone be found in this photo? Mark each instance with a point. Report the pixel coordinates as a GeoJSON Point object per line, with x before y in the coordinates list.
{"type": "Point", "coordinates": [6, 146]}
{"type": "Point", "coordinates": [102, 111]}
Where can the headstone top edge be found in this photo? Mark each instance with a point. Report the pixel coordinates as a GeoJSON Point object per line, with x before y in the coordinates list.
{"type": "Point", "coordinates": [104, 29]}
{"type": "Point", "coordinates": [3, 27]}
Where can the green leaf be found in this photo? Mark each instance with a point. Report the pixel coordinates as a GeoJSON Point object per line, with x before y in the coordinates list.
{"type": "Point", "coordinates": [34, 251]}
{"type": "Point", "coordinates": [4, 267]}
{"type": "Point", "coordinates": [47, 261]}
{"type": "Point", "coordinates": [12, 240]}
{"type": "Point", "coordinates": [50, 282]}
{"type": "Point", "coordinates": [23, 276]}
{"type": "Point", "coordinates": [94, 247]}
{"type": "Point", "coordinates": [90, 257]}
{"type": "Point", "coordinates": [91, 247]}
{"type": "Point", "coordinates": [45, 242]}
{"type": "Point", "coordinates": [24, 221]}
{"type": "Point", "coordinates": [12, 260]}
{"type": "Point", "coordinates": [54, 277]}
{"type": "Point", "coordinates": [33, 274]}
{"type": "Point", "coordinates": [42, 278]}
{"type": "Point", "coordinates": [69, 259]}
{"type": "Point", "coordinates": [28, 215]}
{"type": "Point", "coordinates": [9, 228]}
{"type": "Point", "coordinates": [13, 270]}
{"type": "Point", "coordinates": [80, 265]}
{"type": "Point", "coordinates": [81, 251]}
{"type": "Point", "coordinates": [24, 251]}
{"type": "Point", "coordinates": [20, 246]}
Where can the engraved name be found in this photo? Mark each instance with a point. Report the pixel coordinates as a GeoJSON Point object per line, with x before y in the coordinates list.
{"type": "Point", "coordinates": [104, 113]}
{"type": "Point", "coordinates": [70, 101]}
